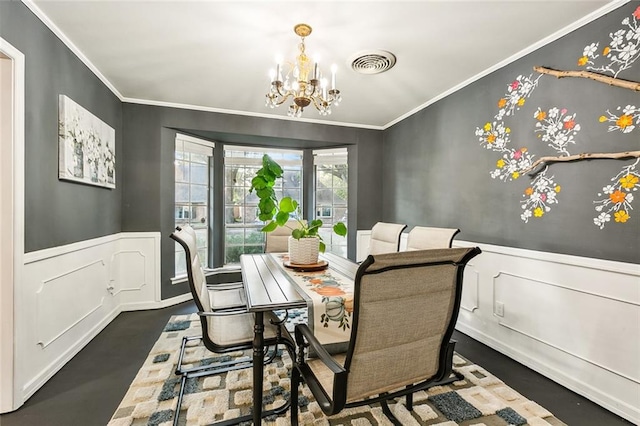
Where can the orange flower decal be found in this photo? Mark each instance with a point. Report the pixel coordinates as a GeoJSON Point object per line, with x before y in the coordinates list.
{"type": "Point", "coordinates": [328, 291]}
{"type": "Point", "coordinates": [569, 124]}
{"type": "Point", "coordinates": [582, 61]}
{"type": "Point", "coordinates": [502, 102]}
{"type": "Point", "coordinates": [541, 115]}
{"type": "Point", "coordinates": [617, 196]}
{"type": "Point", "coordinates": [528, 191]}
{"type": "Point", "coordinates": [606, 50]}
{"type": "Point", "coordinates": [491, 138]}
{"type": "Point", "coordinates": [624, 121]}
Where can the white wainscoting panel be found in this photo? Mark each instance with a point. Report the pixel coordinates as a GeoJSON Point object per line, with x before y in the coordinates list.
{"type": "Point", "coordinates": [575, 320]}
{"type": "Point", "coordinates": [70, 293]}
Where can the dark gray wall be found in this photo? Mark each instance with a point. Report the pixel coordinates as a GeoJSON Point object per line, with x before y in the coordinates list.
{"type": "Point", "coordinates": [59, 212]}
{"type": "Point", "coordinates": [436, 173]}
{"type": "Point", "coordinates": [148, 175]}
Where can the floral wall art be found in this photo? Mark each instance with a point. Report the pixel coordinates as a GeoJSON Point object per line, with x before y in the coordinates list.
{"type": "Point", "coordinates": [557, 139]}
{"type": "Point", "coordinates": [86, 146]}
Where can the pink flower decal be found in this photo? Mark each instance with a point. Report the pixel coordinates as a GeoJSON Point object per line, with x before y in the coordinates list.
{"type": "Point", "coordinates": [516, 83]}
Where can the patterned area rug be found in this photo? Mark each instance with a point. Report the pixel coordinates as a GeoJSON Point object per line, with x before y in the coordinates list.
{"type": "Point", "coordinates": [480, 399]}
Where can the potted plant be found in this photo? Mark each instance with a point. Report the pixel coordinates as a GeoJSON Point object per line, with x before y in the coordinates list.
{"type": "Point", "coordinates": [278, 213]}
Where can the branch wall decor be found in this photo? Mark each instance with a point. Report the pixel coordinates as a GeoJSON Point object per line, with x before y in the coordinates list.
{"type": "Point", "coordinates": [611, 81]}
{"type": "Point", "coordinates": [559, 129]}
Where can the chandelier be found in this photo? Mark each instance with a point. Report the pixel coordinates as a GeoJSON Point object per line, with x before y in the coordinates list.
{"type": "Point", "coordinates": [303, 83]}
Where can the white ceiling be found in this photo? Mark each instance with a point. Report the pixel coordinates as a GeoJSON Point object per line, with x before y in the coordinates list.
{"type": "Point", "coordinates": [216, 55]}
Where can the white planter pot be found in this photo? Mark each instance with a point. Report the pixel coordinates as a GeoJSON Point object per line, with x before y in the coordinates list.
{"type": "Point", "coordinates": [304, 251]}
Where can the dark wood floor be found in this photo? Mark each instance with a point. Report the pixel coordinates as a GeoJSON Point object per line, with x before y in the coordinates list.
{"type": "Point", "coordinates": [89, 388]}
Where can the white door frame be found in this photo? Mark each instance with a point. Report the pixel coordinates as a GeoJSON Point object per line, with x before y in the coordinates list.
{"type": "Point", "coordinates": [12, 119]}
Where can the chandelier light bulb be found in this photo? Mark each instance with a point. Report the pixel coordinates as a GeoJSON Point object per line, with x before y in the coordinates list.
{"type": "Point", "coordinates": [303, 83]}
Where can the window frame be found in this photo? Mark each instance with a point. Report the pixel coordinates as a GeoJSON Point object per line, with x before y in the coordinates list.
{"type": "Point", "coordinates": [191, 145]}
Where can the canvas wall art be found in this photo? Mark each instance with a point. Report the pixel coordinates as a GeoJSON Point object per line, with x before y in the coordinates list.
{"type": "Point", "coordinates": [87, 146]}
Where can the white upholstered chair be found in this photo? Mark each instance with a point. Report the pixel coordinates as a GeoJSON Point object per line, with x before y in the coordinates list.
{"type": "Point", "coordinates": [385, 237]}
{"type": "Point", "coordinates": [424, 238]}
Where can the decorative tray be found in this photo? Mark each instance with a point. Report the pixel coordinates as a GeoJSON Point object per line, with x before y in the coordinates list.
{"type": "Point", "coordinates": [323, 264]}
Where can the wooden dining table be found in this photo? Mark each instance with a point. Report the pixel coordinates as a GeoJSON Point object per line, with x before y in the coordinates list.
{"type": "Point", "coordinates": [269, 286]}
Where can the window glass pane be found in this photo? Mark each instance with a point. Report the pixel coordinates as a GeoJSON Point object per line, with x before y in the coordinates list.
{"type": "Point", "coordinates": [340, 197]}
{"type": "Point", "coordinates": [251, 215]}
{"type": "Point", "coordinates": [233, 195]}
{"type": "Point", "coordinates": [253, 236]}
{"type": "Point", "coordinates": [200, 174]}
{"type": "Point", "coordinates": [324, 196]}
{"type": "Point", "coordinates": [182, 193]}
{"type": "Point", "coordinates": [232, 214]}
{"type": "Point", "coordinates": [199, 193]}
{"type": "Point", "coordinates": [199, 217]}
{"type": "Point", "coordinates": [199, 158]}
{"type": "Point", "coordinates": [182, 171]}
{"type": "Point", "coordinates": [180, 261]}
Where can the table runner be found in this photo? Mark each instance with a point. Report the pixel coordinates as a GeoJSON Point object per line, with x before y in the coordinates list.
{"type": "Point", "coordinates": [329, 296]}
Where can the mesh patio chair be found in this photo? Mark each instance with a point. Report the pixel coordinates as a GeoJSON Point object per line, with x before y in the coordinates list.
{"type": "Point", "coordinates": [405, 308]}
{"type": "Point", "coordinates": [223, 331]}
{"type": "Point", "coordinates": [225, 292]}
{"type": "Point", "coordinates": [424, 238]}
{"type": "Point", "coordinates": [385, 237]}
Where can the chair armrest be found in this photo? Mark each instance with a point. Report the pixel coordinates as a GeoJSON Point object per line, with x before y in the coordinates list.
{"type": "Point", "coordinates": [328, 404]}
{"type": "Point", "coordinates": [226, 312]}
{"type": "Point", "coordinates": [303, 332]}
{"type": "Point", "coordinates": [224, 286]}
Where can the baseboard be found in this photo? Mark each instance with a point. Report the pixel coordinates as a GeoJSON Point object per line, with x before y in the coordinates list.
{"type": "Point", "coordinates": [614, 405]}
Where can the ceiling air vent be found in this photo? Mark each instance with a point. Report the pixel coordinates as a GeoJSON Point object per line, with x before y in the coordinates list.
{"type": "Point", "coordinates": [373, 61]}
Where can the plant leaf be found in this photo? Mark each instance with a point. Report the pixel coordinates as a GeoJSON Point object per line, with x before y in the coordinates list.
{"type": "Point", "coordinates": [282, 217]}
{"type": "Point", "coordinates": [269, 227]}
{"type": "Point", "coordinates": [316, 223]}
{"type": "Point", "coordinates": [288, 205]}
{"type": "Point", "coordinates": [267, 206]}
{"type": "Point", "coordinates": [258, 182]}
{"type": "Point", "coordinates": [321, 247]}
{"type": "Point", "coordinates": [340, 229]}
{"type": "Point", "coordinates": [265, 192]}
{"type": "Point", "coordinates": [271, 166]}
